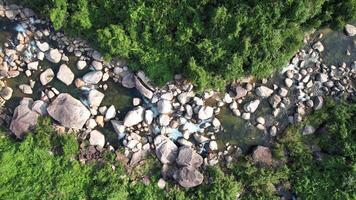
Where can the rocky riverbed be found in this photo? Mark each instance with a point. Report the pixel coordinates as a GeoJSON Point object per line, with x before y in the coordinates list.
{"type": "Point", "coordinates": [66, 79]}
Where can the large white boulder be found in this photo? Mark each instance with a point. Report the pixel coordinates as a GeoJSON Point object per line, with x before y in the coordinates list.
{"type": "Point", "coordinates": [68, 111]}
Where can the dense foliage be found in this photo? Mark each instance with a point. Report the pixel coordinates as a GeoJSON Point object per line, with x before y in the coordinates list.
{"type": "Point", "coordinates": [209, 41]}
{"type": "Point", "coordinates": [42, 166]}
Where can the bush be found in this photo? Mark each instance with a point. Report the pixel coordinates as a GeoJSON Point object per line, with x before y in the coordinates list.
{"type": "Point", "coordinates": [211, 42]}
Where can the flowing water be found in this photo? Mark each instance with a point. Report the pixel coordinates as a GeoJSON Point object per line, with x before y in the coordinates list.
{"type": "Point", "coordinates": [236, 130]}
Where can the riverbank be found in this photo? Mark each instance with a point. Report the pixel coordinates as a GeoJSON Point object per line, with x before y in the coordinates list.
{"type": "Point", "coordinates": [68, 81]}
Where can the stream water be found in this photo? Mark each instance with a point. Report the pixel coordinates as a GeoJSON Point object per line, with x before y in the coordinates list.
{"type": "Point", "coordinates": [236, 130]}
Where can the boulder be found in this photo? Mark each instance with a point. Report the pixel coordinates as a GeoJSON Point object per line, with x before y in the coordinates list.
{"type": "Point", "coordinates": [6, 93]}
{"type": "Point", "coordinates": [318, 102]}
{"type": "Point", "coordinates": [148, 116]}
{"type": "Point", "coordinates": [185, 97]}
{"type": "Point", "coordinates": [95, 98]}
{"type": "Point", "coordinates": [318, 46]}
{"type": "Point", "coordinates": [65, 74]}
{"type": "Point", "coordinates": [81, 64]}
{"type": "Point", "coordinates": [40, 107]}
{"type": "Point", "coordinates": [274, 100]}
{"type": "Point", "coordinates": [263, 91]}
{"type": "Point", "coordinates": [46, 76]}
{"type": "Point", "coordinates": [288, 82]}
{"type": "Point", "coordinates": [213, 145]}
{"type": "Point", "coordinates": [350, 30]}
{"type": "Point", "coordinates": [188, 177]}
{"type": "Point", "coordinates": [93, 77]}
{"type": "Point", "coordinates": [252, 106]}
{"type": "Point", "coordinates": [205, 112]}
{"type": "Point", "coordinates": [262, 155]}
{"type": "Point", "coordinates": [164, 120]}
{"type": "Point", "coordinates": [308, 130]}
{"type": "Point", "coordinates": [24, 119]}
{"type": "Point", "coordinates": [97, 139]}
{"type": "Point", "coordinates": [134, 116]}
{"type": "Point", "coordinates": [32, 66]}
{"type": "Point", "coordinates": [26, 89]}
{"type": "Point", "coordinates": [68, 111]}
{"type": "Point", "coordinates": [145, 91]}
{"type": "Point", "coordinates": [97, 65]}
{"type": "Point", "coordinates": [321, 77]}
{"type": "Point", "coordinates": [164, 107]}
{"type": "Point", "coordinates": [240, 92]}
{"type": "Point", "coordinates": [42, 46]}
{"type": "Point", "coordinates": [166, 150]}
{"type": "Point", "coordinates": [110, 113]}
{"type": "Point", "coordinates": [128, 81]}
{"type": "Point", "coordinates": [119, 128]}
{"type": "Point", "coordinates": [187, 157]}
{"type": "Point", "coordinates": [54, 56]}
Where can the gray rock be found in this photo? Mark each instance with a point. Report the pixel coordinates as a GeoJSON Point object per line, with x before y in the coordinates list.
{"type": "Point", "coordinates": [274, 100]}
{"type": "Point", "coordinates": [128, 81]}
{"type": "Point", "coordinates": [240, 92]}
{"type": "Point", "coordinates": [164, 107]}
{"type": "Point", "coordinates": [283, 92]}
{"type": "Point", "coordinates": [205, 112]}
{"type": "Point", "coordinates": [93, 77]}
{"type": "Point", "coordinates": [97, 139]}
{"type": "Point", "coordinates": [318, 46]}
{"type": "Point", "coordinates": [97, 65]}
{"type": "Point", "coordinates": [273, 131]}
{"type": "Point", "coordinates": [24, 119]}
{"type": "Point", "coordinates": [145, 91]}
{"type": "Point", "coordinates": [95, 98]}
{"type": "Point", "coordinates": [81, 64]}
{"type": "Point", "coordinates": [308, 130]}
{"type": "Point", "coordinates": [187, 157]}
{"type": "Point", "coordinates": [32, 66]}
{"type": "Point", "coordinates": [148, 116]}
{"type": "Point", "coordinates": [6, 93]}
{"type": "Point", "coordinates": [68, 111]}
{"type": "Point", "coordinates": [26, 89]}
{"type": "Point", "coordinates": [288, 82]}
{"type": "Point", "coordinates": [188, 177]}
{"type": "Point", "coordinates": [350, 30]}
{"type": "Point", "coordinates": [263, 91]}
{"type": "Point", "coordinates": [321, 77]}
{"type": "Point", "coordinates": [318, 102]}
{"type": "Point", "coordinates": [110, 113]}
{"type": "Point", "coordinates": [161, 183]}
{"type": "Point", "coordinates": [54, 56]}
{"type": "Point", "coordinates": [166, 150]}
{"type": "Point", "coordinates": [213, 145]}
{"type": "Point", "coordinates": [65, 74]}
{"type": "Point", "coordinates": [134, 116]}
{"type": "Point", "coordinates": [46, 76]}
{"type": "Point", "coordinates": [42, 46]}
{"type": "Point", "coordinates": [118, 127]}
{"type": "Point", "coordinates": [261, 120]}
{"type": "Point", "coordinates": [252, 106]}
{"type": "Point", "coordinates": [262, 155]}
{"type": "Point", "coordinates": [40, 107]}
{"type": "Point", "coordinates": [164, 120]}
{"type": "Point", "coordinates": [185, 97]}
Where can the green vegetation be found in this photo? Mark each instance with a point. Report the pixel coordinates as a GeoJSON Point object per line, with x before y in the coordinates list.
{"type": "Point", "coordinates": [211, 42]}
{"type": "Point", "coordinates": [43, 166]}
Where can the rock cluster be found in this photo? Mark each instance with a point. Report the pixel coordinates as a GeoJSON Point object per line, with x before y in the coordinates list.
{"type": "Point", "coordinates": [175, 123]}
